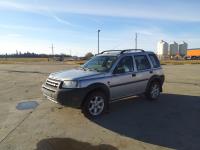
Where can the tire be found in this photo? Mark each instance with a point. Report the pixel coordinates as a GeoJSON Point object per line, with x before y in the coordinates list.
{"type": "Point", "coordinates": [95, 105]}
{"type": "Point", "coordinates": [153, 92]}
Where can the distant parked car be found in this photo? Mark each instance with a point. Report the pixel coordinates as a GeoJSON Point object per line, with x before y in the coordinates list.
{"type": "Point", "coordinates": [105, 78]}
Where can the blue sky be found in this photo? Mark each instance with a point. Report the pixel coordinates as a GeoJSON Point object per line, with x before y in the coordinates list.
{"type": "Point", "coordinates": [32, 25]}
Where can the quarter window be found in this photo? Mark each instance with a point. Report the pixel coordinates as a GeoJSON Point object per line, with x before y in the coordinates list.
{"type": "Point", "coordinates": [142, 62]}
{"type": "Point", "coordinates": [154, 60]}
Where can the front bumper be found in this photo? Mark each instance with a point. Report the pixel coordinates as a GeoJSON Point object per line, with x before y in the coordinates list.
{"type": "Point", "coordinates": [68, 97]}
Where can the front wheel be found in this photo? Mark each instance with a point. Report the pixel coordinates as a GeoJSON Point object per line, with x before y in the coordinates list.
{"type": "Point", "coordinates": [153, 92]}
{"type": "Point", "coordinates": [95, 105]}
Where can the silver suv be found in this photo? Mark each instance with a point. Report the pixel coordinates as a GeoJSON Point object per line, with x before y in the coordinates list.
{"type": "Point", "coordinates": [107, 77]}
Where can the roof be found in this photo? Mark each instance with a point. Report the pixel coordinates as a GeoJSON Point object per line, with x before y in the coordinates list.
{"type": "Point", "coordinates": [124, 52]}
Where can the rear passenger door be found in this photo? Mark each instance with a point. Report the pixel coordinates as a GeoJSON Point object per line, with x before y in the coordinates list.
{"type": "Point", "coordinates": [144, 72]}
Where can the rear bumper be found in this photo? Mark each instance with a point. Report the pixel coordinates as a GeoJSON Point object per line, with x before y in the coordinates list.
{"type": "Point", "coordinates": [69, 97]}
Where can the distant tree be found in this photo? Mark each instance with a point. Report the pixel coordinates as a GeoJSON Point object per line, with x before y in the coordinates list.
{"type": "Point", "coordinates": [30, 55]}
{"type": "Point", "coordinates": [88, 55]}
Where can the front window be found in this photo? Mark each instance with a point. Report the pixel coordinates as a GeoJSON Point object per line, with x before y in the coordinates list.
{"type": "Point", "coordinates": [125, 65]}
{"type": "Point", "coordinates": [100, 63]}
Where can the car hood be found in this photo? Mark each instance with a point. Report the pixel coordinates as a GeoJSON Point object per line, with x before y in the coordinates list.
{"type": "Point", "coordinates": [74, 74]}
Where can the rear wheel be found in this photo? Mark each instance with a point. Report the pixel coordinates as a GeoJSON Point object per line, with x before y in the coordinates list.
{"type": "Point", "coordinates": [95, 104]}
{"type": "Point", "coordinates": [153, 92]}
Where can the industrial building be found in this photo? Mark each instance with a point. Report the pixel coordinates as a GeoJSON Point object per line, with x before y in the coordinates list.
{"type": "Point", "coordinates": [162, 49]}
{"type": "Point", "coordinates": [171, 50]}
{"type": "Point", "coordinates": [183, 49]}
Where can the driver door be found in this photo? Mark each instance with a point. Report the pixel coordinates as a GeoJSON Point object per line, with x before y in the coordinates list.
{"type": "Point", "coordinates": [123, 77]}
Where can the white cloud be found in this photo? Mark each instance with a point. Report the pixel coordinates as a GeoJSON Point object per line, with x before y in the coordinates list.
{"type": "Point", "coordinates": [147, 37]}
{"type": "Point", "coordinates": [33, 8]}
{"type": "Point", "coordinates": [185, 11]}
{"type": "Point", "coordinates": [61, 20]}
{"type": "Point", "coordinates": [14, 35]}
{"type": "Point", "coordinates": [21, 27]}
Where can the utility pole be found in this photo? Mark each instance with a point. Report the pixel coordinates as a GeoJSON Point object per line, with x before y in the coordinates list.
{"type": "Point", "coordinates": [136, 40]}
{"type": "Point", "coordinates": [136, 37]}
{"type": "Point", "coordinates": [6, 56]}
{"type": "Point", "coordinates": [70, 51]}
{"type": "Point", "coordinates": [98, 40]}
{"type": "Point", "coordinates": [52, 49]}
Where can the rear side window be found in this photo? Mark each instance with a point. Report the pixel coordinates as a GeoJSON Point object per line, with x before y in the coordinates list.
{"type": "Point", "coordinates": [154, 60]}
{"type": "Point", "coordinates": [142, 62]}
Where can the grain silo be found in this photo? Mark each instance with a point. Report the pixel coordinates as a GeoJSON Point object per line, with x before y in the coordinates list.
{"type": "Point", "coordinates": [173, 49]}
{"type": "Point", "coordinates": [162, 48]}
{"type": "Point", "coordinates": [183, 49]}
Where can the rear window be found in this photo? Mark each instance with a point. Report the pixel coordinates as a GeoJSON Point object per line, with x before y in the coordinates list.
{"type": "Point", "coordinates": [154, 60]}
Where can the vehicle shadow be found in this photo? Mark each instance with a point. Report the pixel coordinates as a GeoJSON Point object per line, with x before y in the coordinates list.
{"type": "Point", "coordinates": [69, 144]}
{"type": "Point", "coordinates": [173, 121]}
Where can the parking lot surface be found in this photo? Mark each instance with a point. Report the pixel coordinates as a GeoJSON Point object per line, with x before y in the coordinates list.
{"type": "Point", "coordinates": [172, 122]}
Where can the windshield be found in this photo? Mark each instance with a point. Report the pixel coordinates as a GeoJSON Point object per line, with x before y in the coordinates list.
{"type": "Point", "coordinates": [100, 63]}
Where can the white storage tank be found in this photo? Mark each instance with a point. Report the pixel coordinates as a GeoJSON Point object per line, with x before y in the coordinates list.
{"type": "Point", "coordinates": [162, 48]}
{"type": "Point", "coordinates": [173, 49]}
{"type": "Point", "coordinates": [183, 49]}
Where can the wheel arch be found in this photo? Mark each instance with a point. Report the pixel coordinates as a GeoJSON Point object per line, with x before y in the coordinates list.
{"type": "Point", "coordinates": [97, 87]}
{"type": "Point", "coordinates": [156, 78]}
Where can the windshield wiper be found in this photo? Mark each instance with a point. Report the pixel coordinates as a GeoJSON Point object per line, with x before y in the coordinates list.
{"type": "Point", "coordinates": [85, 69]}
{"type": "Point", "coordinates": [93, 69]}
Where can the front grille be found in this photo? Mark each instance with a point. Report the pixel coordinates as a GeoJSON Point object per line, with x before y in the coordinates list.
{"type": "Point", "coordinates": [53, 83]}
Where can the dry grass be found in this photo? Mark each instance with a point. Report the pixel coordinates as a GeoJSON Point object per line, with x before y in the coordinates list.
{"type": "Point", "coordinates": [21, 60]}
{"type": "Point", "coordinates": [77, 62]}
{"type": "Point", "coordinates": [179, 62]}
{"type": "Point", "coordinates": [80, 62]}
{"type": "Point", "coordinates": [37, 60]}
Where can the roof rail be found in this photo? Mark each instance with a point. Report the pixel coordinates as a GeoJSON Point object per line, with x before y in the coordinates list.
{"type": "Point", "coordinates": [110, 51]}
{"type": "Point", "coordinates": [128, 50]}
{"type": "Point", "coordinates": [122, 51]}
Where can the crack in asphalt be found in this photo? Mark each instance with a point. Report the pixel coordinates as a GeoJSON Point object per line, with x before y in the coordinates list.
{"type": "Point", "coordinates": [19, 124]}
{"type": "Point", "coordinates": [9, 133]}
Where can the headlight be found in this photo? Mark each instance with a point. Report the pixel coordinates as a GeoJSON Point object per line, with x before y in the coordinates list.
{"type": "Point", "coordinates": [70, 84]}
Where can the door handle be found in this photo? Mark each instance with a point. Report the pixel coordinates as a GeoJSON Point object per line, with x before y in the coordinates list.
{"type": "Point", "coordinates": [133, 75]}
{"type": "Point", "coordinates": [151, 71]}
